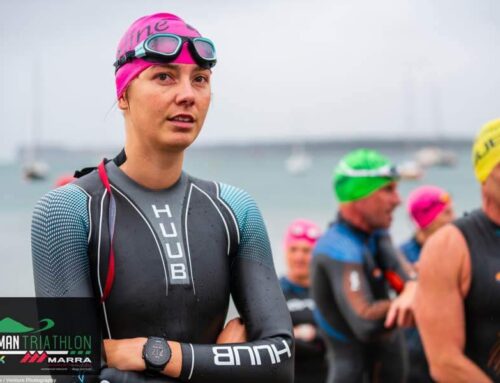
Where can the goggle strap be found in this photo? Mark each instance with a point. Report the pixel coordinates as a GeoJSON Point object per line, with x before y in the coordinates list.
{"type": "Point", "coordinates": [384, 171]}
{"type": "Point", "coordinates": [127, 57]}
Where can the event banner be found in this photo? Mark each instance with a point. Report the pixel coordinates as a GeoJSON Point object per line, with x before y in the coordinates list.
{"type": "Point", "coordinates": [49, 336]}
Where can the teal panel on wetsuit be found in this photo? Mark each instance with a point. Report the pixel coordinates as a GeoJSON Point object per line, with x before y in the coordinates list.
{"type": "Point", "coordinates": [341, 244]}
{"type": "Point", "coordinates": [59, 236]}
{"type": "Point", "coordinates": [254, 241]}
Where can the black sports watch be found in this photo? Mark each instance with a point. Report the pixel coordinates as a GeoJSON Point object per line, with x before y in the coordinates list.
{"type": "Point", "coordinates": [156, 353]}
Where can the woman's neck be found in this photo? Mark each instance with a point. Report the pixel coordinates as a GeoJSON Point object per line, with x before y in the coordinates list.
{"type": "Point", "coordinates": [152, 169]}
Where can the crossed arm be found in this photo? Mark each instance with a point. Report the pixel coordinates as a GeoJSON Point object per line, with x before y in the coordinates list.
{"type": "Point", "coordinates": [267, 356]}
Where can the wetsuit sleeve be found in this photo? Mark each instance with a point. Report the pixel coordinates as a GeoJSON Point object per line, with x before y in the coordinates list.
{"type": "Point", "coordinates": [268, 354]}
{"type": "Point", "coordinates": [349, 284]}
{"type": "Point", "coordinates": [59, 240]}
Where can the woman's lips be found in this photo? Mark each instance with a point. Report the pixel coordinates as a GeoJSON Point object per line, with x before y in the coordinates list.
{"type": "Point", "coordinates": [183, 121]}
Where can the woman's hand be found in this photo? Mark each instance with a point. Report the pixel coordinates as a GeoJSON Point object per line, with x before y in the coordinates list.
{"type": "Point", "coordinates": [125, 354]}
{"type": "Point", "coordinates": [234, 332]}
{"type": "Point", "coordinates": [305, 332]}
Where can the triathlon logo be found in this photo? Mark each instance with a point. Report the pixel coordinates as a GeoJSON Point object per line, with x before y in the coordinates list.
{"type": "Point", "coordinates": [52, 345]}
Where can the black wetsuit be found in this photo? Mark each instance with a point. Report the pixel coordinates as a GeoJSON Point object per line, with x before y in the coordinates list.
{"type": "Point", "coordinates": [310, 362]}
{"type": "Point", "coordinates": [180, 253]}
{"type": "Point", "coordinates": [352, 299]}
{"type": "Point", "coordinates": [482, 304]}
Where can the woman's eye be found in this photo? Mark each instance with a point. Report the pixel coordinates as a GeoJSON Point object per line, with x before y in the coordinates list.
{"type": "Point", "coordinates": [201, 79]}
{"type": "Point", "coordinates": [163, 76]}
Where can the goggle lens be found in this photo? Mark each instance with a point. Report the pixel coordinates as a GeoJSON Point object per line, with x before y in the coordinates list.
{"type": "Point", "coordinates": [165, 45]}
{"type": "Point", "coordinates": [310, 233]}
{"type": "Point", "coordinates": [204, 48]}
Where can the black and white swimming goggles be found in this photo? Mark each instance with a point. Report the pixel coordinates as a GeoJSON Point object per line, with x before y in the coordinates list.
{"type": "Point", "coordinates": [166, 47]}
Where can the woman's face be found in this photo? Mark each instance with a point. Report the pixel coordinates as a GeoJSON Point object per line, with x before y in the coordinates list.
{"type": "Point", "coordinates": [166, 105]}
{"type": "Point", "coordinates": [298, 258]}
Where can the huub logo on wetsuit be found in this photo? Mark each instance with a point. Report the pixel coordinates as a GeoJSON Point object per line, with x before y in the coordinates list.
{"type": "Point", "coordinates": [232, 355]}
{"type": "Point", "coordinates": [177, 265]}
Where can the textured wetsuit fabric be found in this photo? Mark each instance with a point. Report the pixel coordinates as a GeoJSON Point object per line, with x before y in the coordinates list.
{"type": "Point", "coordinates": [310, 362]}
{"type": "Point", "coordinates": [352, 300]}
{"type": "Point", "coordinates": [482, 308]}
{"type": "Point", "coordinates": [418, 368]}
{"type": "Point", "coordinates": [180, 253]}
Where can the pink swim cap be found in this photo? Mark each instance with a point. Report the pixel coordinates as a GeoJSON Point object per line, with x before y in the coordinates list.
{"type": "Point", "coordinates": [139, 31]}
{"type": "Point", "coordinates": [302, 230]}
{"type": "Point", "coordinates": [426, 203]}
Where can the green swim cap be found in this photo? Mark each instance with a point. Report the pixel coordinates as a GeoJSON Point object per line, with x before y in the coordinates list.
{"type": "Point", "coordinates": [361, 173]}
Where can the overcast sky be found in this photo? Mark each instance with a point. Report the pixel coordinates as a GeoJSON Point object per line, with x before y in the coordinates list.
{"type": "Point", "coordinates": [286, 69]}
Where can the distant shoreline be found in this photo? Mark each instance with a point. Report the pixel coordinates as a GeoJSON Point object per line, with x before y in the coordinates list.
{"type": "Point", "coordinates": [316, 145]}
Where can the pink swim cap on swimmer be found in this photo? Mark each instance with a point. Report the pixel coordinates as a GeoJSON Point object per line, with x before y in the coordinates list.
{"type": "Point", "coordinates": [302, 230]}
{"type": "Point", "coordinates": [426, 203]}
{"type": "Point", "coordinates": [140, 30]}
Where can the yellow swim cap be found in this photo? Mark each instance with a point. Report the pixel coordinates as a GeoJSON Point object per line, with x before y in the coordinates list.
{"type": "Point", "coordinates": [486, 150]}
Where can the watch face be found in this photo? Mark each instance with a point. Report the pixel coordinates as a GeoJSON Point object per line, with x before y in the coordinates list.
{"type": "Point", "coordinates": [157, 352]}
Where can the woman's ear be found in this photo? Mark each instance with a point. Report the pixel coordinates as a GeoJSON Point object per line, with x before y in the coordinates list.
{"type": "Point", "coordinates": [123, 102]}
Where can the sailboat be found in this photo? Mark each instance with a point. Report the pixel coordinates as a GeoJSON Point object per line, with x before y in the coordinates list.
{"type": "Point", "coordinates": [299, 161]}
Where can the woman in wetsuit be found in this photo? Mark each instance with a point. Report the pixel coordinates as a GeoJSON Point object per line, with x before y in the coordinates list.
{"type": "Point", "coordinates": [160, 250]}
{"type": "Point", "coordinates": [310, 363]}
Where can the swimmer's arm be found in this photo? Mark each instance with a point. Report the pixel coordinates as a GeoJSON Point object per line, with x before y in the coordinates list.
{"type": "Point", "coordinates": [443, 271]}
{"type": "Point", "coordinates": [266, 358]}
{"type": "Point", "coordinates": [268, 354]}
{"type": "Point", "coordinates": [59, 240]}
{"type": "Point", "coordinates": [352, 293]}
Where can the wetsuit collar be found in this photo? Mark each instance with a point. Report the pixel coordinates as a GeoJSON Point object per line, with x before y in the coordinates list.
{"type": "Point", "coordinates": [120, 158]}
{"type": "Point", "coordinates": [341, 220]}
{"type": "Point", "coordinates": [293, 286]}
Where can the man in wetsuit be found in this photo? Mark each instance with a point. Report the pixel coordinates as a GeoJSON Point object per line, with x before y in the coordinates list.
{"type": "Point", "coordinates": [160, 250]}
{"type": "Point", "coordinates": [430, 208]}
{"type": "Point", "coordinates": [310, 363]}
{"type": "Point", "coordinates": [457, 304]}
{"type": "Point", "coordinates": [353, 263]}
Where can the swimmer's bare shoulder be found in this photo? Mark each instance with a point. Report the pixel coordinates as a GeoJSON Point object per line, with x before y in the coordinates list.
{"type": "Point", "coordinates": [444, 281]}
